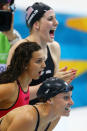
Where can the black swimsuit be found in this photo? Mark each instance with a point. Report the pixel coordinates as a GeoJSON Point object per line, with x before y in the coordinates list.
{"type": "Point", "coordinates": [38, 121]}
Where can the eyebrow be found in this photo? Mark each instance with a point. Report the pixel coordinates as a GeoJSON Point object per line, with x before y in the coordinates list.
{"type": "Point", "coordinates": [39, 58]}
{"type": "Point", "coordinates": [65, 93]}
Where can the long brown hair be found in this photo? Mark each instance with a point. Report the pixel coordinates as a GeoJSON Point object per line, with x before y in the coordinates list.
{"type": "Point", "coordinates": [19, 61]}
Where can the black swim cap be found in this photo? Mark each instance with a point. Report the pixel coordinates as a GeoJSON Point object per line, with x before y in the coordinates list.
{"type": "Point", "coordinates": [35, 12]}
{"type": "Point", "coordinates": [51, 87]}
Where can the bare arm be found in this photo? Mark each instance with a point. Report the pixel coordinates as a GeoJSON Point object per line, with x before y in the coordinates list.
{"type": "Point", "coordinates": [33, 91]}
{"type": "Point", "coordinates": [20, 124]}
{"type": "Point", "coordinates": [25, 121]}
{"type": "Point", "coordinates": [7, 91]}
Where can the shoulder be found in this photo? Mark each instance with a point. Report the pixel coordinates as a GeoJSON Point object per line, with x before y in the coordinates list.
{"type": "Point", "coordinates": [7, 90]}
{"type": "Point", "coordinates": [25, 119]}
{"type": "Point", "coordinates": [12, 49]}
{"type": "Point", "coordinates": [31, 116]}
{"type": "Point", "coordinates": [9, 86]}
{"type": "Point", "coordinates": [54, 46]}
{"type": "Point", "coordinates": [16, 44]}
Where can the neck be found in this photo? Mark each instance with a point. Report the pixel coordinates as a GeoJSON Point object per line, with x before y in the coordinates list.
{"type": "Point", "coordinates": [36, 38]}
{"type": "Point", "coordinates": [24, 81]}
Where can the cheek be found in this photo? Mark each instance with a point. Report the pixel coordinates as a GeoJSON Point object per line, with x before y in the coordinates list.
{"type": "Point", "coordinates": [33, 68]}
{"type": "Point", "coordinates": [62, 105]}
{"type": "Point", "coordinates": [31, 72]}
{"type": "Point", "coordinates": [45, 26]}
{"type": "Point", "coordinates": [48, 26]}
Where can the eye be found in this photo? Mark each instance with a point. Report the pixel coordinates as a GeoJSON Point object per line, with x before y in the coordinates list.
{"type": "Point", "coordinates": [50, 18]}
{"type": "Point", "coordinates": [66, 97]}
{"type": "Point", "coordinates": [39, 61]}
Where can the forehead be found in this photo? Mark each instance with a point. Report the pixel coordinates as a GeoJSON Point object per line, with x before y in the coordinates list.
{"type": "Point", "coordinates": [49, 13]}
{"type": "Point", "coordinates": [65, 93]}
{"type": "Point", "coordinates": [38, 54]}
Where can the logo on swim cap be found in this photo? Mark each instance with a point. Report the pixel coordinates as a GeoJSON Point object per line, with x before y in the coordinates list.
{"type": "Point", "coordinates": [39, 9]}
{"type": "Point", "coordinates": [29, 11]}
{"type": "Point", "coordinates": [46, 92]}
{"type": "Point", "coordinates": [32, 16]}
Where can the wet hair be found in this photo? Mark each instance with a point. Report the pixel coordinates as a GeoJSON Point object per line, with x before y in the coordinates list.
{"type": "Point", "coordinates": [35, 12]}
{"type": "Point", "coordinates": [51, 87]}
{"type": "Point", "coordinates": [20, 60]}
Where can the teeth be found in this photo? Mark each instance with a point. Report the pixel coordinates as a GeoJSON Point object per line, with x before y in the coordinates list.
{"type": "Point", "coordinates": [42, 72]}
{"type": "Point", "coordinates": [66, 109]}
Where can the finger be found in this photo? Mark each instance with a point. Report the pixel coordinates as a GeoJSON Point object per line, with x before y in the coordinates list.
{"type": "Point", "coordinates": [68, 76]}
{"type": "Point", "coordinates": [63, 69]}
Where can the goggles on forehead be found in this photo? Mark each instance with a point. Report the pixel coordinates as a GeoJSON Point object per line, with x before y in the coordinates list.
{"type": "Point", "coordinates": [66, 89]}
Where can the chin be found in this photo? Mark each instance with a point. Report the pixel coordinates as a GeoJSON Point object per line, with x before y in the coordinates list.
{"type": "Point", "coordinates": [36, 78]}
{"type": "Point", "coordinates": [51, 40]}
{"type": "Point", "coordinates": [66, 114]}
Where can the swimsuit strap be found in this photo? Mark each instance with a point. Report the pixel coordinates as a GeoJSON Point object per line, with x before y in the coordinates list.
{"type": "Point", "coordinates": [47, 126]}
{"type": "Point", "coordinates": [18, 83]}
{"type": "Point", "coordinates": [38, 121]}
{"type": "Point", "coordinates": [37, 125]}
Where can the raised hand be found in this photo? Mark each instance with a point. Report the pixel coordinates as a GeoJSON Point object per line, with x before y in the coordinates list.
{"type": "Point", "coordinates": [67, 75]}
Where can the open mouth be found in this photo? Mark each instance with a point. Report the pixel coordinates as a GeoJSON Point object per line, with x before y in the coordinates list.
{"type": "Point", "coordinates": [41, 72]}
{"type": "Point", "coordinates": [67, 108]}
{"type": "Point", "coordinates": [51, 32]}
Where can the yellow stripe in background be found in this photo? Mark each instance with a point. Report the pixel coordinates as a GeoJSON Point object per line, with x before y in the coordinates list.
{"type": "Point", "coordinates": [77, 23]}
{"type": "Point", "coordinates": [81, 66]}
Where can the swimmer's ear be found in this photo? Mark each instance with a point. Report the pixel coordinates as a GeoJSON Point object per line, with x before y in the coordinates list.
{"type": "Point", "coordinates": [36, 25]}
{"type": "Point", "coordinates": [50, 101]}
